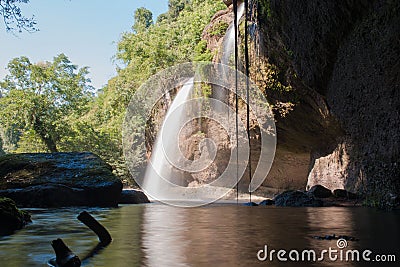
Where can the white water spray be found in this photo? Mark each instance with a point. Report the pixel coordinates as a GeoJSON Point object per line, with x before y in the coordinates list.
{"type": "Point", "coordinates": [160, 168]}
{"type": "Point", "coordinates": [228, 45]}
{"type": "Point", "coordinates": [160, 176]}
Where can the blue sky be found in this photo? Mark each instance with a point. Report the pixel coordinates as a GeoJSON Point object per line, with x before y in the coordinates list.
{"type": "Point", "coordinates": [85, 30]}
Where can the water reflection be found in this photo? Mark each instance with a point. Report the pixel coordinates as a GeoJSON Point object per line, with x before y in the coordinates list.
{"type": "Point", "coordinates": [330, 221]}
{"type": "Point", "coordinates": [218, 235]}
{"type": "Point", "coordinates": [163, 236]}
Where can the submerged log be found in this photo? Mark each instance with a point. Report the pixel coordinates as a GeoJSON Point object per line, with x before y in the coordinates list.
{"type": "Point", "coordinates": [95, 226]}
{"type": "Point", "coordinates": [64, 256]}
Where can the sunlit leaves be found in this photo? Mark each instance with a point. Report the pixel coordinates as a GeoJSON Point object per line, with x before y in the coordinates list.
{"type": "Point", "coordinates": [143, 19]}
{"type": "Point", "coordinates": [143, 52]}
{"type": "Point", "coordinates": [36, 98]}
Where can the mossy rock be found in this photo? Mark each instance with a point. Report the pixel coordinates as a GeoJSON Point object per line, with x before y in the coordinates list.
{"type": "Point", "coordinates": [58, 179]}
{"type": "Point", "coordinates": [11, 218]}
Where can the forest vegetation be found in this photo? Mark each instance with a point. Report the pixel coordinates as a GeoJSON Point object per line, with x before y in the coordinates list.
{"type": "Point", "coordinates": [51, 106]}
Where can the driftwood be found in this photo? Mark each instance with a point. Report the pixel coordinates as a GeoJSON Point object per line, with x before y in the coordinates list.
{"type": "Point", "coordinates": [66, 258]}
{"type": "Point", "coordinates": [95, 226]}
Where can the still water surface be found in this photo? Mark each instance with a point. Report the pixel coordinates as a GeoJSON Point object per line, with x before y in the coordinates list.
{"type": "Point", "coordinates": [157, 235]}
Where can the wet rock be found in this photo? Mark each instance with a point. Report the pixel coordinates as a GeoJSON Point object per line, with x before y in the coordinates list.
{"type": "Point", "coordinates": [266, 202]}
{"type": "Point", "coordinates": [320, 191]}
{"type": "Point", "coordinates": [335, 237]}
{"type": "Point", "coordinates": [394, 200]}
{"type": "Point", "coordinates": [296, 199]}
{"type": "Point", "coordinates": [58, 179]}
{"type": "Point", "coordinates": [228, 2]}
{"type": "Point", "coordinates": [11, 218]}
{"type": "Point", "coordinates": [250, 204]}
{"type": "Point", "coordinates": [131, 196]}
{"type": "Point", "coordinates": [344, 194]}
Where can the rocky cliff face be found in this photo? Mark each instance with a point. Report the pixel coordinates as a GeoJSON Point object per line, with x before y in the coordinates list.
{"type": "Point", "coordinates": [347, 55]}
{"type": "Point", "coordinates": [338, 65]}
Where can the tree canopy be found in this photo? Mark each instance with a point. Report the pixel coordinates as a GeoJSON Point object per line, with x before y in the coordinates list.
{"type": "Point", "coordinates": [143, 19]}
{"type": "Point", "coordinates": [49, 106]}
{"type": "Point", "coordinates": [38, 98]}
{"type": "Point", "coordinates": [174, 38]}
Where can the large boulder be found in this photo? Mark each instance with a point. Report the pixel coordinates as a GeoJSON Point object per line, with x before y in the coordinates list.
{"type": "Point", "coordinates": [132, 196]}
{"type": "Point", "coordinates": [11, 218]}
{"type": "Point", "coordinates": [296, 199]}
{"type": "Point", "coordinates": [341, 193]}
{"type": "Point", "coordinates": [319, 191]}
{"type": "Point", "coordinates": [267, 202]}
{"type": "Point", "coordinates": [228, 2]}
{"type": "Point", "coordinates": [58, 179]}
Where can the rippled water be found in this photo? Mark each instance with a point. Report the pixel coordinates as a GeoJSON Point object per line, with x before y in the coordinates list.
{"type": "Point", "coordinates": [217, 235]}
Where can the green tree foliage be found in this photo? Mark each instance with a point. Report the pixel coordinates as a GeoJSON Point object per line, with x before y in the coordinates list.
{"type": "Point", "coordinates": [143, 19]}
{"type": "Point", "coordinates": [176, 6]}
{"type": "Point", "coordinates": [39, 99]}
{"type": "Point", "coordinates": [168, 42]}
{"type": "Point", "coordinates": [201, 53]}
{"type": "Point", "coordinates": [49, 104]}
{"type": "Point", "coordinates": [173, 39]}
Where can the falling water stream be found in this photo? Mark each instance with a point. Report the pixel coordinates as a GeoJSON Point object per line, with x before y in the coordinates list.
{"type": "Point", "coordinates": [228, 45]}
{"type": "Point", "coordinates": [160, 167]}
{"type": "Point", "coordinates": [159, 174]}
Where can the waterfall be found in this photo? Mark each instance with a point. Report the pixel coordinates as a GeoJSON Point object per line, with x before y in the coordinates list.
{"type": "Point", "coordinates": [159, 166]}
{"type": "Point", "coordinates": [228, 44]}
{"type": "Point", "coordinates": [160, 176]}
{"type": "Point", "coordinates": [228, 47]}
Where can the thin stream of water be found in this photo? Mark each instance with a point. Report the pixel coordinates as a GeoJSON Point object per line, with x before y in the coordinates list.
{"type": "Point", "coordinates": [159, 167]}
{"type": "Point", "coordinates": [159, 174]}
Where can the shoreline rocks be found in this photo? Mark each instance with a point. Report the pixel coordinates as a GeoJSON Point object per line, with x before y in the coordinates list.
{"type": "Point", "coordinates": [296, 199]}
{"type": "Point", "coordinates": [11, 218]}
{"type": "Point", "coordinates": [267, 202]}
{"type": "Point", "coordinates": [345, 194]}
{"type": "Point", "coordinates": [132, 196]}
{"type": "Point", "coordinates": [317, 196]}
{"type": "Point", "coordinates": [58, 180]}
{"type": "Point", "coordinates": [320, 191]}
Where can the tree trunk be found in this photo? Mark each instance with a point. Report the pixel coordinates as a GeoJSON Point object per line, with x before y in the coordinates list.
{"type": "Point", "coordinates": [51, 145]}
{"type": "Point", "coordinates": [45, 135]}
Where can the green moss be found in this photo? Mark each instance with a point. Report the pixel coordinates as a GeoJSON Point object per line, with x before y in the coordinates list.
{"type": "Point", "coordinates": [201, 52]}
{"type": "Point", "coordinates": [270, 77]}
{"type": "Point", "coordinates": [289, 53]}
{"type": "Point", "coordinates": [11, 218]}
{"type": "Point", "coordinates": [80, 169]}
{"type": "Point", "coordinates": [219, 29]}
{"type": "Point", "coordinates": [265, 9]}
